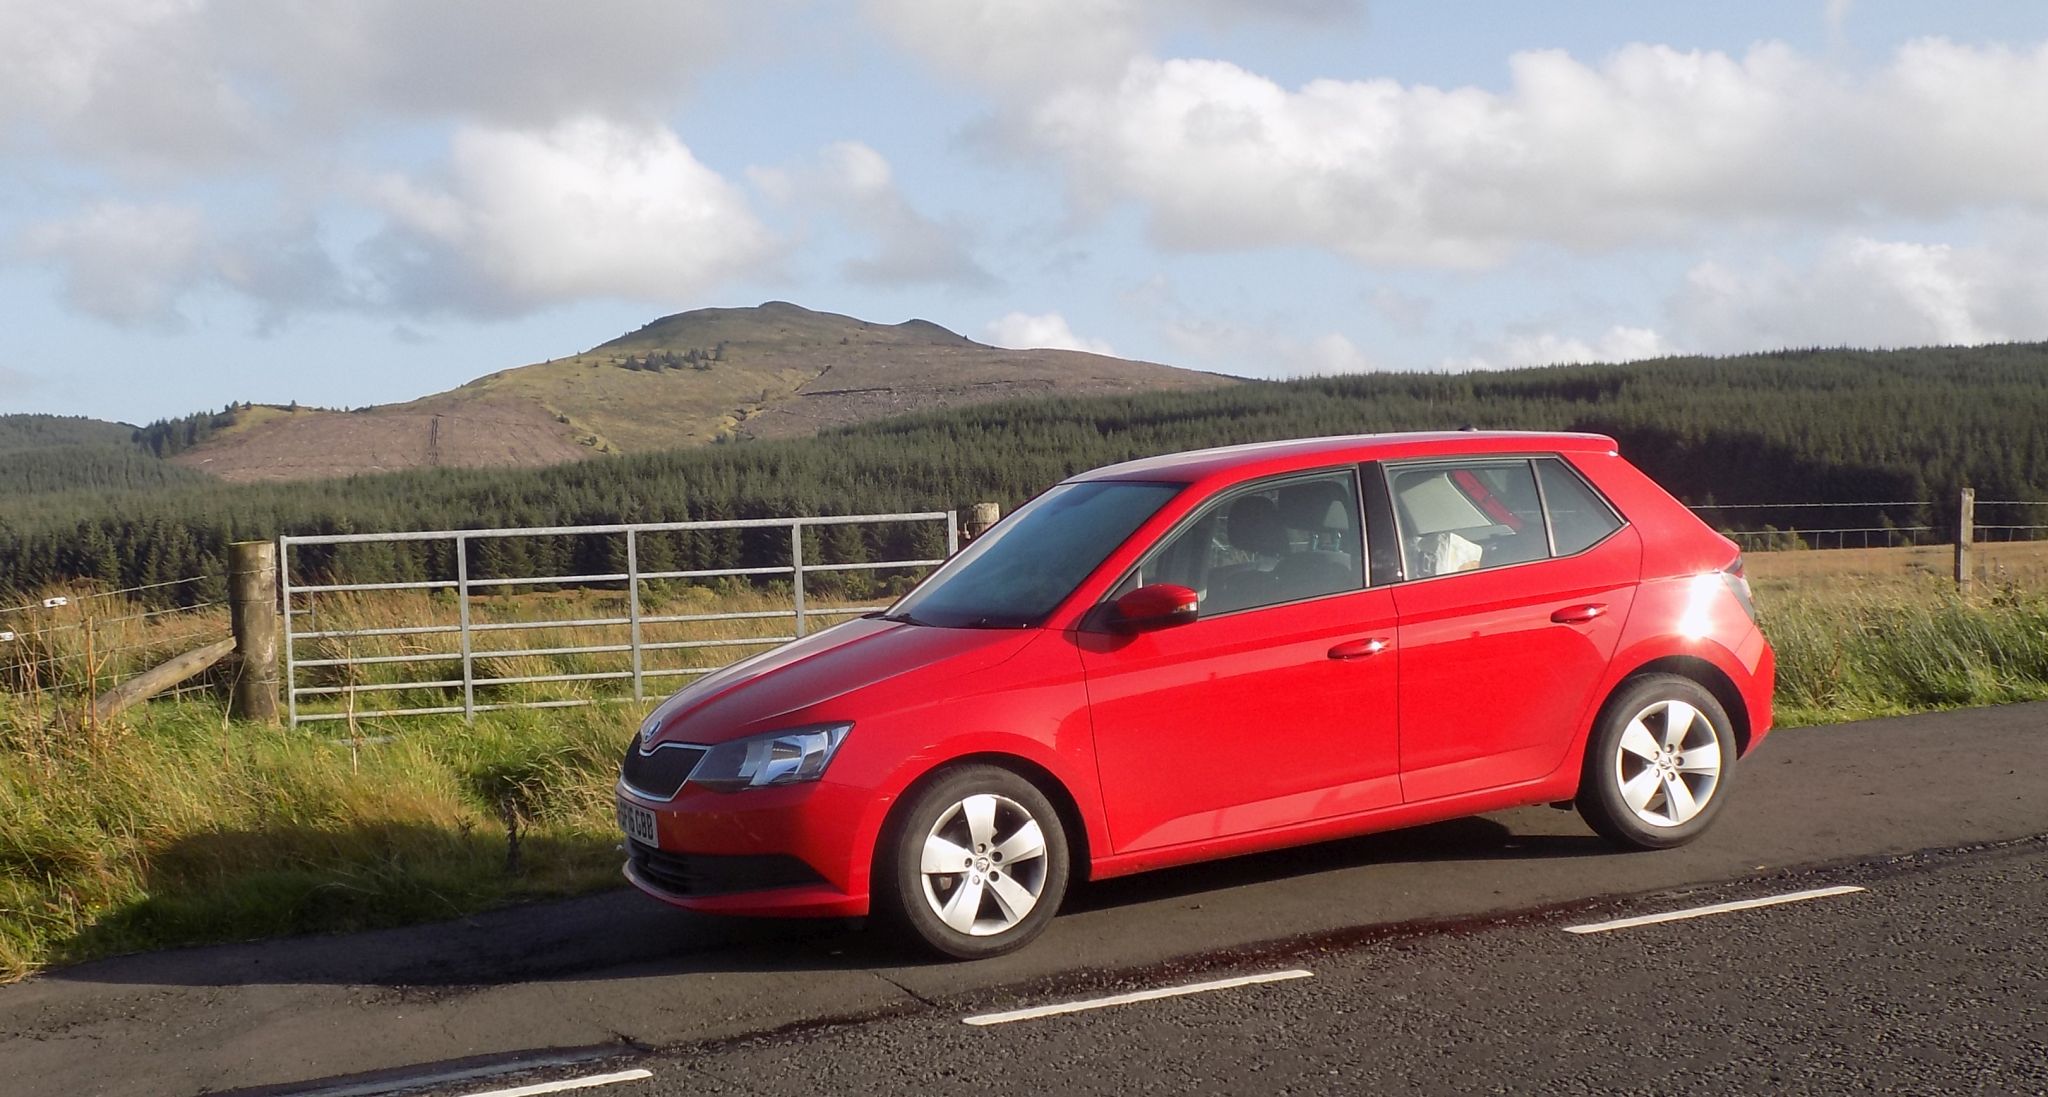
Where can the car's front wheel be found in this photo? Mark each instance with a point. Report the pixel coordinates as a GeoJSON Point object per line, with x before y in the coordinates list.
{"type": "Point", "coordinates": [978, 864]}
{"type": "Point", "coordinates": [1658, 766]}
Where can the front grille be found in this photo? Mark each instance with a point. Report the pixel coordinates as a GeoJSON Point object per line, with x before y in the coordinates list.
{"type": "Point", "coordinates": [702, 874]}
{"type": "Point", "coordinates": [660, 773]}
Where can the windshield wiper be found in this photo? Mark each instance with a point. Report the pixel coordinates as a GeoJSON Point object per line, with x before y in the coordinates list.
{"type": "Point", "coordinates": [905, 618]}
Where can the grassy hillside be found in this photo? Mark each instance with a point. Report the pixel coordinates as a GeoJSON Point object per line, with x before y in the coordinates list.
{"type": "Point", "coordinates": [1834, 425]}
{"type": "Point", "coordinates": [711, 375]}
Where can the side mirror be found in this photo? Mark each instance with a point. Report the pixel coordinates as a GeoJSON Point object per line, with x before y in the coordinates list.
{"type": "Point", "coordinates": [1161, 605]}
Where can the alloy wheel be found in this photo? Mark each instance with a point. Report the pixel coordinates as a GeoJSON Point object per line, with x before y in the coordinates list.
{"type": "Point", "coordinates": [983, 865]}
{"type": "Point", "coordinates": [1668, 763]}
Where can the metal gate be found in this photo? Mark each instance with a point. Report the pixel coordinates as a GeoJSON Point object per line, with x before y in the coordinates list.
{"type": "Point", "coordinates": [452, 680]}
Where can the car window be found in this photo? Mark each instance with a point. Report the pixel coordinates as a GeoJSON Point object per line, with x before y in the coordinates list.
{"type": "Point", "coordinates": [1579, 518]}
{"type": "Point", "coordinates": [1466, 515]}
{"type": "Point", "coordinates": [1266, 544]}
{"type": "Point", "coordinates": [1019, 571]}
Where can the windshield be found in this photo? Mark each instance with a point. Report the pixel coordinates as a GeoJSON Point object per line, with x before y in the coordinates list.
{"type": "Point", "coordinates": [1018, 572]}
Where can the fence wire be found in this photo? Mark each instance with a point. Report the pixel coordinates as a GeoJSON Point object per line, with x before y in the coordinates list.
{"type": "Point", "coordinates": [66, 647]}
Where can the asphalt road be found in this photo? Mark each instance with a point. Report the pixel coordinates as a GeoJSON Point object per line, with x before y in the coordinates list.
{"type": "Point", "coordinates": [620, 973]}
{"type": "Point", "coordinates": [1934, 980]}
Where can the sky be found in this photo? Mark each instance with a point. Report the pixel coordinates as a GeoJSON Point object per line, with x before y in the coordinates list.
{"type": "Point", "coordinates": [211, 201]}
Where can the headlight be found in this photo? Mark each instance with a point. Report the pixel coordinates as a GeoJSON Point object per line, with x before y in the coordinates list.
{"type": "Point", "coordinates": [777, 758]}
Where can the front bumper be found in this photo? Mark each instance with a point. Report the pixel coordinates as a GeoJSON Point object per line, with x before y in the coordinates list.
{"type": "Point", "coordinates": [795, 851]}
{"type": "Point", "coordinates": [802, 901]}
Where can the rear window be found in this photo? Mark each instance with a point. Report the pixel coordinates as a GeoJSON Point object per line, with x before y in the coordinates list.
{"type": "Point", "coordinates": [1484, 512]}
{"type": "Point", "coordinates": [1467, 515]}
{"type": "Point", "coordinates": [1579, 518]}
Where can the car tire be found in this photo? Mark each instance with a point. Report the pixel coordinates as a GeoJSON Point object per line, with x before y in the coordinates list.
{"type": "Point", "coordinates": [976, 865]}
{"type": "Point", "coordinates": [1658, 764]}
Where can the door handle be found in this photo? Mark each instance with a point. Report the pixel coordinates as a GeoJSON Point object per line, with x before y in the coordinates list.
{"type": "Point", "coordinates": [1578, 615]}
{"type": "Point", "coordinates": [1358, 649]}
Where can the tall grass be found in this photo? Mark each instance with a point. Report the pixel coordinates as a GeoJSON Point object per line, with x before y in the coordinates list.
{"type": "Point", "coordinates": [182, 828]}
{"type": "Point", "coordinates": [1847, 654]}
{"type": "Point", "coordinates": [173, 826]}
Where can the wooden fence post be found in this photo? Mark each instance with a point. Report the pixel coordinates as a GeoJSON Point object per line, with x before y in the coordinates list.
{"type": "Point", "coordinates": [252, 608]}
{"type": "Point", "coordinates": [981, 516]}
{"type": "Point", "coordinates": [1966, 531]}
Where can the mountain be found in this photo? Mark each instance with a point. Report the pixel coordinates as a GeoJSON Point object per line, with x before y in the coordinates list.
{"type": "Point", "coordinates": [710, 375]}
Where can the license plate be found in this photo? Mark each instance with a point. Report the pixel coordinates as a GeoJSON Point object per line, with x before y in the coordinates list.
{"type": "Point", "coordinates": [638, 823]}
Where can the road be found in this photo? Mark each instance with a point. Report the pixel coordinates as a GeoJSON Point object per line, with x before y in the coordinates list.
{"type": "Point", "coordinates": [1934, 980]}
{"type": "Point", "coordinates": [1463, 915]}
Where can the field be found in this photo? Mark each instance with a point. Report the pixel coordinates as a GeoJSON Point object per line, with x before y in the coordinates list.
{"type": "Point", "coordinates": [174, 826]}
{"type": "Point", "coordinates": [1920, 569]}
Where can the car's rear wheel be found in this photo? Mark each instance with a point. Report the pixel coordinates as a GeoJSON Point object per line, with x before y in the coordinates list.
{"type": "Point", "coordinates": [1658, 765]}
{"type": "Point", "coordinates": [978, 864]}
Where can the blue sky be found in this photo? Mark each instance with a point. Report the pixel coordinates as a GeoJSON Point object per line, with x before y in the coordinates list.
{"type": "Point", "coordinates": [206, 201]}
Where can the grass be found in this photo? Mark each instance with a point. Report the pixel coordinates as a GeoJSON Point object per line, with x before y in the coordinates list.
{"type": "Point", "coordinates": [181, 828]}
{"type": "Point", "coordinates": [1854, 655]}
{"type": "Point", "coordinates": [1864, 633]}
{"type": "Point", "coordinates": [172, 826]}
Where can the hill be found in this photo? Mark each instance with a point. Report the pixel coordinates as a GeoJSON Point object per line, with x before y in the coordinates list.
{"type": "Point", "coordinates": [710, 375]}
{"type": "Point", "coordinates": [1787, 427]}
{"type": "Point", "coordinates": [19, 433]}
{"type": "Point", "coordinates": [49, 454]}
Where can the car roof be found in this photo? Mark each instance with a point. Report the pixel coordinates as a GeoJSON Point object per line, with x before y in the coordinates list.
{"type": "Point", "coordinates": [1267, 458]}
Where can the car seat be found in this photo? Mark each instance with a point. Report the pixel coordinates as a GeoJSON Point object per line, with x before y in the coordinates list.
{"type": "Point", "coordinates": [1330, 563]}
{"type": "Point", "coordinates": [1251, 526]}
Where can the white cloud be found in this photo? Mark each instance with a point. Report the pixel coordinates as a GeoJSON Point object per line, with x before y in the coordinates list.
{"type": "Point", "coordinates": [196, 84]}
{"type": "Point", "coordinates": [1651, 145]}
{"type": "Point", "coordinates": [855, 183]}
{"type": "Point", "coordinates": [1264, 351]}
{"type": "Point", "coordinates": [126, 263]}
{"type": "Point", "coordinates": [512, 62]}
{"type": "Point", "coordinates": [1334, 353]}
{"type": "Point", "coordinates": [1016, 46]}
{"type": "Point", "coordinates": [1857, 291]}
{"type": "Point", "coordinates": [1013, 44]}
{"type": "Point", "coordinates": [1872, 293]}
{"type": "Point", "coordinates": [589, 208]}
{"type": "Point", "coordinates": [1548, 348]}
{"type": "Point", "coordinates": [122, 80]}
{"type": "Point", "coordinates": [1048, 330]}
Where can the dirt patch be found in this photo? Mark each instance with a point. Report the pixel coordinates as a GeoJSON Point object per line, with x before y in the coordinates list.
{"type": "Point", "coordinates": [440, 431]}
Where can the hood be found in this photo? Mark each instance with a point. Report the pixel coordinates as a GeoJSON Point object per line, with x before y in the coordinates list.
{"type": "Point", "coordinates": [774, 688]}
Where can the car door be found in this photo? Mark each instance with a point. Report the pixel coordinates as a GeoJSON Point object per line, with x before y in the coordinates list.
{"type": "Point", "coordinates": [1277, 704]}
{"type": "Point", "coordinates": [1506, 632]}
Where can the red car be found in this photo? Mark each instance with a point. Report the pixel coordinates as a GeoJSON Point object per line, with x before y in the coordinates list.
{"type": "Point", "coordinates": [1211, 653]}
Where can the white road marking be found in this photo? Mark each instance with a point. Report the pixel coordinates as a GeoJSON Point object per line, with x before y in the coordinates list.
{"type": "Point", "coordinates": [1717, 908]}
{"type": "Point", "coordinates": [1036, 1012]}
{"type": "Point", "coordinates": [389, 1082]}
{"type": "Point", "coordinates": [589, 1082]}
